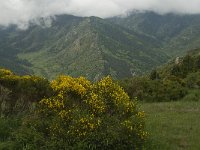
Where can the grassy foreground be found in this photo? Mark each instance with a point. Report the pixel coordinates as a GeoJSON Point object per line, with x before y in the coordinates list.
{"type": "Point", "coordinates": [173, 125]}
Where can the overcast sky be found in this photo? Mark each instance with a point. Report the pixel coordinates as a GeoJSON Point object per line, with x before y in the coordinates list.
{"type": "Point", "coordinates": [22, 11]}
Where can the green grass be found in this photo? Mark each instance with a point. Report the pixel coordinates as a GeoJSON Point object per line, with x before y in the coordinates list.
{"type": "Point", "coordinates": [173, 125]}
{"type": "Point", "coordinates": [7, 127]}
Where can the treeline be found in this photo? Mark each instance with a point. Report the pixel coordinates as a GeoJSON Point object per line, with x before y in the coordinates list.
{"type": "Point", "coordinates": [179, 79]}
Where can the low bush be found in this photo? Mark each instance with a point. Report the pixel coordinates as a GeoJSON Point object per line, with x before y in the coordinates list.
{"type": "Point", "coordinates": [82, 115]}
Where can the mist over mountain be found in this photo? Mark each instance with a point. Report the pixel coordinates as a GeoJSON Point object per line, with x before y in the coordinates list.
{"type": "Point", "coordinates": [22, 12]}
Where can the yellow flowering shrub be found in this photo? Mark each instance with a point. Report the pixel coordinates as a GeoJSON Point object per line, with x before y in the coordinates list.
{"type": "Point", "coordinates": [85, 115]}
{"type": "Point", "coordinates": [4, 72]}
{"type": "Point", "coordinates": [66, 84]}
{"type": "Point", "coordinates": [113, 96]}
{"type": "Point", "coordinates": [24, 90]}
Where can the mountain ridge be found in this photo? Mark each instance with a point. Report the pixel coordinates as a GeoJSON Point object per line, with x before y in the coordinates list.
{"type": "Point", "coordinates": [172, 30]}
{"type": "Point", "coordinates": [94, 47]}
{"type": "Point", "coordinates": [91, 47]}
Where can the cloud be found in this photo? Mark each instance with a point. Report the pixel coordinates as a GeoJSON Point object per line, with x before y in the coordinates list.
{"type": "Point", "coordinates": [21, 12]}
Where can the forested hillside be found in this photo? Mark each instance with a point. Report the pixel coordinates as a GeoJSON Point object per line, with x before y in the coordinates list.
{"type": "Point", "coordinates": [91, 47]}
{"type": "Point", "coordinates": [95, 47]}
{"type": "Point", "coordinates": [176, 33]}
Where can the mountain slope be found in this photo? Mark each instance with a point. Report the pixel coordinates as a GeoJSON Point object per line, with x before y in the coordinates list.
{"type": "Point", "coordinates": [95, 47]}
{"type": "Point", "coordinates": [76, 46]}
{"type": "Point", "coordinates": [176, 33]}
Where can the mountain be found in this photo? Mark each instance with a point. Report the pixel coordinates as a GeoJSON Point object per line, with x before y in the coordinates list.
{"type": "Point", "coordinates": [176, 33]}
{"type": "Point", "coordinates": [90, 47]}
{"type": "Point", "coordinates": [95, 47]}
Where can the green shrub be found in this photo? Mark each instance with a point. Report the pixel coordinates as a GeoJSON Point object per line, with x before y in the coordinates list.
{"type": "Point", "coordinates": [7, 127]}
{"type": "Point", "coordinates": [17, 93]}
{"type": "Point", "coordinates": [157, 90]}
{"type": "Point", "coordinates": [193, 95]}
{"type": "Point", "coordinates": [193, 80]}
{"type": "Point", "coordinates": [82, 115]}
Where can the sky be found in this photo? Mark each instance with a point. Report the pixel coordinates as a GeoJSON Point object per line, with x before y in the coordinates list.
{"type": "Point", "coordinates": [21, 12]}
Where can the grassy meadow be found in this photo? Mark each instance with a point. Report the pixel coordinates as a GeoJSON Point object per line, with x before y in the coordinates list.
{"type": "Point", "coordinates": [173, 125]}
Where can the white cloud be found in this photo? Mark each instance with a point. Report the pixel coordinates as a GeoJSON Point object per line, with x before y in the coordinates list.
{"type": "Point", "coordinates": [20, 12]}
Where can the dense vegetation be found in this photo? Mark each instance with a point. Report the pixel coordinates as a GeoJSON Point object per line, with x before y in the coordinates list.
{"type": "Point", "coordinates": [176, 80]}
{"type": "Point", "coordinates": [68, 113]}
{"type": "Point", "coordinates": [18, 93]}
{"type": "Point", "coordinates": [74, 113]}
